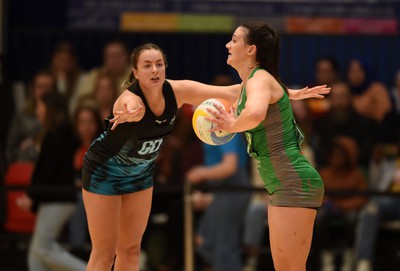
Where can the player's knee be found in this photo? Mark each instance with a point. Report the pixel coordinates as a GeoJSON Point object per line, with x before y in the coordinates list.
{"type": "Point", "coordinates": [129, 251]}
{"type": "Point", "coordinates": [105, 255]}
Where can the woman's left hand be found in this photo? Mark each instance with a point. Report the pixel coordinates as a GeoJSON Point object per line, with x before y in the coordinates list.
{"type": "Point", "coordinates": [306, 93]}
{"type": "Point", "coordinates": [223, 120]}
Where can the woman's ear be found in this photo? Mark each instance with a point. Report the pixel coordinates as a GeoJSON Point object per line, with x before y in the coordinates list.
{"type": "Point", "coordinates": [134, 72]}
{"type": "Point", "coordinates": [252, 50]}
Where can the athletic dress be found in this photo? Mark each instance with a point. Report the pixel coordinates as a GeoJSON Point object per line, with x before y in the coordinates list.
{"type": "Point", "coordinates": [122, 161]}
{"type": "Point", "coordinates": [275, 144]}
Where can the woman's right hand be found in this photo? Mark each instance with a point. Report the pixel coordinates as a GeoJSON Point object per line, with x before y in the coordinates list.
{"type": "Point", "coordinates": [126, 115]}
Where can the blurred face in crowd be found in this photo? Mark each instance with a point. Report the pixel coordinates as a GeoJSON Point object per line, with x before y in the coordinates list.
{"type": "Point", "coordinates": [43, 83]}
{"type": "Point", "coordinates": [116, 59]}
{"type": "Point", "coordinates": [150, 71]}
{"type": "Point", "coordinates": [356, 73]}
{"type": "Point", "coordinates": [340, 97]}
{"type": "Point", "coordinates": [86, 125]}
{"type": "Point", "coordinates": [63, 61]}
{"type": "Point", "coordinates": [338, 158]}
{"type": "Point", "coordinates": [325, 72]}
{"type": "Point", "coordinates": [41, 111]}
{"type": "Point", "coordinates": [105, 92]}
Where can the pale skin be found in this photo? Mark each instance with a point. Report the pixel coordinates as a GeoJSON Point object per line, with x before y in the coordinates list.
{"type": "Point", "coordinates": [115, 227]}
{"type": "Point", "coordinates": [290, 227]}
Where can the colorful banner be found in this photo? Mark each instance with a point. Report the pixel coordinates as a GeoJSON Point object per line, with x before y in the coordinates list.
{"type": "Point", "coordinates": [293, 16]}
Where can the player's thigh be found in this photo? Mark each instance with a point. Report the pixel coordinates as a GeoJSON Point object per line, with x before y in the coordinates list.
{"type": "Point", "coordinates": [291, 230]}
{"type": "Point", "coordinates": [103, 214]}
{"type": "Point", "coordinates": [135, 211]}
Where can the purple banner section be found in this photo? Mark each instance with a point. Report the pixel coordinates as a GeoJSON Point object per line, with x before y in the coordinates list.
{"type": "Point", "coordinates": [105, 14]}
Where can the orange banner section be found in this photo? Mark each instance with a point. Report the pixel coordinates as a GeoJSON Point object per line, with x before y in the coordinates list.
{"type": "Point", "coordinates": [149, 22]}
{"type": "Point", "coordinates": [308, 25]}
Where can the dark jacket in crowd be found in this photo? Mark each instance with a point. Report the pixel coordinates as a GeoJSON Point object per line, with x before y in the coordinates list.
{"type": "Point", "coordinates": [54, 169]}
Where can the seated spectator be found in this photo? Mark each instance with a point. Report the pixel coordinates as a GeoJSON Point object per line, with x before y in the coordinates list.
{"type": "Point", "coordinates": [65, 68]}
{"type": "Point", "coordinates": [255, 222]}
{"type": "Point", "coordinates": [115, 63]}
{"type": "Point", "coordinates": [326, 73]}
{"type": "Point", "coordinates": [370, 98]}
{"type": "Point", "coordinates": [105, 93]}
{"type": "Point", "coordinates": [341, 173]}
{"type": "Point", "coordinates": [23, 133]}
{"type": "Point", "coordinates": [384, 177]}
{"type": "Point", "coordinates": [343, 120]}
{"type": "Point", "coordinates": [54, 170]}
{"type": "Point", "coordinates": [88, 126]}
{"type": "Point", "coordinates": [218, 237]}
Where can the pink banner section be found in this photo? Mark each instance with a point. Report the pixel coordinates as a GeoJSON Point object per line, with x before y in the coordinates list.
{"type": "Point", "coordinates": [371, 26]}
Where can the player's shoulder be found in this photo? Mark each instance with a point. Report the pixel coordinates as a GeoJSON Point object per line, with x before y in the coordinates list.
{"type": "Point", "coordinates": [260, 78]}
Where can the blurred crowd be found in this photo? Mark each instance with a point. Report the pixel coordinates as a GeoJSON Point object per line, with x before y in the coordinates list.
{"type": "Point", "coordinates": [352, 138]}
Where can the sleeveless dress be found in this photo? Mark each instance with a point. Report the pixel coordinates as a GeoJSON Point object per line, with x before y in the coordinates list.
{"type": "Point", "coordinates": [275, 145]}
{"type": "Point", "coordinates": [122, 161]}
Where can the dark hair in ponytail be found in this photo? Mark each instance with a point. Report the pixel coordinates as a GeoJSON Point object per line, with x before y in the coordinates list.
{"type": "Point", "coordinates": [134, 60]}
{"type": "Point", "coordinates": [267, 43]}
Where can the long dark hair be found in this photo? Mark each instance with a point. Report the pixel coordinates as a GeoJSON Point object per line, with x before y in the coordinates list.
{"type": "Point", "coordinates": [91, 106]}
{"type": "Point", "coordinates": [31, 102]}
{"type": "Point", "coordinates": [267, 43]}
{"type": "Point", "coordinates": [57, 116]}
{"type": "Point", "coordinates": [134, 60]}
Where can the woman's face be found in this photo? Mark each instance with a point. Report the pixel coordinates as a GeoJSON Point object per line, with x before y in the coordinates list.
{"type": "Point", "coordinates": [338, 158]}
{"type": "Point", "coordinates": [355, 74]}
{"type": "Point", "coordinates": [104, 92]}
{"type": "Point", "coordinates": [86, 125]}
{"type": "Point", "coordinates": [63, 61]}
{"type": "Point", "coordinates": [42, 84]}
{"type": "Point", "coordinates": [41, 111]}
{"type": "Point", "coordinates": [150, 71]}
{"type": "Point", "coordinates": [237, 47]}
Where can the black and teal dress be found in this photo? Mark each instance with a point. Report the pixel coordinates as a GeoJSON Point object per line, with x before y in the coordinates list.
{"type": "Point", "coordinates": [122, 161]}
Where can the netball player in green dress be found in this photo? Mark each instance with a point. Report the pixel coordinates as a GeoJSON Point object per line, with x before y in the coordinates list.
{"type": "Point", "coordinates": [265, 115]}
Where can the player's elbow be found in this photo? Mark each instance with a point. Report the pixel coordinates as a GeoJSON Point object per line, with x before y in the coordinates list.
{"type": "Point", "coordinates": [256, 116]}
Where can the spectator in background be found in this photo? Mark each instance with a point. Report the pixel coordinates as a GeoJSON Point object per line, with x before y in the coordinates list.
{"type": "Point", "coordinates": [370, 98]}
{"type": "Point", "coordinates": [22, 136]}
{"type": "Point", "coordinates": [88, 126]}
{"type": "Point", "coordinates": [326, 73]}
{"type": "Point", "coordinates": [115, 63]}
{"type": "Point", "coordinates": [65, 68]}
{"type": "Point", "coordinates": [105, 93]}
{"type": "Point", "coordinates": [341, 173]}
{"type": "Point", "coordinates": [54, 169]}
{"type": "Point", "coordinates": [384, 177]}
{"type": "Point", "coordinates": [343, 120]}
{"type": "Point", "coordinates": [218, 237]}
